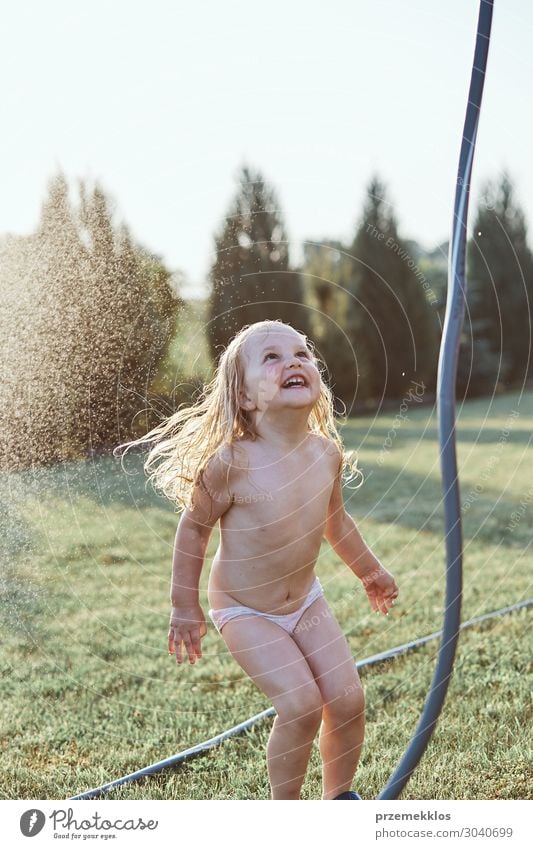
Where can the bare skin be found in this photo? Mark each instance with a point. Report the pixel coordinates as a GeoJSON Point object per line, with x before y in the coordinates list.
{"type": "Point", "coordinates": [271, 535]}
{"type": "Point", "coordinates": [276, 498]}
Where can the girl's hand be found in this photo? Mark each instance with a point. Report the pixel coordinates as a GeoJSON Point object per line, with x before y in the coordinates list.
{"type": "Point", "coordinates": [187, 626]}
{"type": "Point", "coordinates": [381, 589]}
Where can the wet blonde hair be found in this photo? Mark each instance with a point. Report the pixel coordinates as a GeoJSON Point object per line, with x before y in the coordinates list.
{"type": "Point", "coordinates": [187, 439]}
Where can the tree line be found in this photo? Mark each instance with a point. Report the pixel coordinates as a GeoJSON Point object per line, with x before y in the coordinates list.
{"type": "Point", "coordinates": [89, 313]}
{"type": "Point", "coordinates": [375, 306]}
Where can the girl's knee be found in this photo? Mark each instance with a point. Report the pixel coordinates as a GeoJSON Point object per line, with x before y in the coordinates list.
{"type": "Point", "coordinates": [302, 705]}
{"type": "Point", "coordinates": [347, 705]}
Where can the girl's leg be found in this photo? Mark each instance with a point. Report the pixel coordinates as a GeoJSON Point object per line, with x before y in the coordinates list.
{"type": "Point", "coordinates": [271, 658]}
{"type": "Point", "coordinates": [326, 650]}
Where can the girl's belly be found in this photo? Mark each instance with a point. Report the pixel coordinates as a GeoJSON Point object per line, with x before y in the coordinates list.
{"type": "Point", "coordinates": [262, 587]}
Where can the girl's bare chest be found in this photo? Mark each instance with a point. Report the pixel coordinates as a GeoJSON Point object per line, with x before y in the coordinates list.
{"type": "Point", "coordinates": [290, 491]}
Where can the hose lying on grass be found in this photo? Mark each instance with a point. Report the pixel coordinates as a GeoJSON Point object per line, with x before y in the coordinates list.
{"type": "Point", "coordinates": [201, 748]}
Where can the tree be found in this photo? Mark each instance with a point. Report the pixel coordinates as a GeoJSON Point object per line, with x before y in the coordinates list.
{"type": "Point", "coordinates": [251, 279]}
{"type": "Point", "coordinates": [130, 317]}
{"type": "Point", "coordinates": [497, 340]}
{"type": "Point", "coordinates": [391, 321]}
{"type": "Point", "coordinates": [89, 316]}
{"type": "Point", "coordinates": [326, 271]}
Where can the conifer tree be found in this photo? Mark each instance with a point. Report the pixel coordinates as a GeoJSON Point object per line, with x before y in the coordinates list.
{"type": "Point", "coordinates": [92, 316]}
{"type": "Point", "coordinates": [391, 322]}
{"type": "Point", "coordinates": [251, 278]}
{"type": "Point", "coordinates": [130, 314]}
{"type": "Point", "coordinates": [326, 272]}
{"type": "Point", "coordinates": [497, 340]}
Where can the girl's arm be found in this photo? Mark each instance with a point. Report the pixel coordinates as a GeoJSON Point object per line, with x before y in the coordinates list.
{"type": "Point", "coordinates": [211, 500]}
{"type": "Point", "coordinates": [342, 534]}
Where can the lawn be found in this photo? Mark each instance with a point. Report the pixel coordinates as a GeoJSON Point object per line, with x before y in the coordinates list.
{"type": "Point", "coordinates": [89, 692]}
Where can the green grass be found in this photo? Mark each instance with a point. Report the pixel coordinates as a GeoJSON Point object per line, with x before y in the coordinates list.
{"type": "Point", "coordinates": [89, 692]}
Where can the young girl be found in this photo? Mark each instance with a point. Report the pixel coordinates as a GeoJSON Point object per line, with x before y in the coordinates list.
{"type": "Point", "coordinates": [261, 453]}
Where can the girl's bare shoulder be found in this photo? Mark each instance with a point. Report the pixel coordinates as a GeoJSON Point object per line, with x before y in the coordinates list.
{"type": "Point", "coordinates": [328, 446]}
{"type": "Point", "coordinates": [228, 457]}
{"type": "Point", "coordinates": [218, 474]}
{"type": "Point", "coordinates": [235, 454]}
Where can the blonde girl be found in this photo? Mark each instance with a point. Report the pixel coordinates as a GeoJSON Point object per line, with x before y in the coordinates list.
{"type": "Point", "coordinates": [260, 453]}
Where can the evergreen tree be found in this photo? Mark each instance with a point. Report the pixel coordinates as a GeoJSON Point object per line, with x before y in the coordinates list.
{"type": "Point", "coordinates": [54, 347]}
{"type": "Point", "coordinates": [130, 316]}
{"type": "Point", "coordinates": [89, 316]}
{"type": "Point", "coordinates": [497, 339]}
{"type": "Point", "coordinates": [391, 321]}
{"type": "Point", "coordinates": [251, 278]}
{"type": "Point", "coordinates": [326, 271]}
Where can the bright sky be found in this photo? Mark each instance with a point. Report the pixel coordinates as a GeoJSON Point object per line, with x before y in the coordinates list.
{"type": "Point", "coordinates": [163, 101]}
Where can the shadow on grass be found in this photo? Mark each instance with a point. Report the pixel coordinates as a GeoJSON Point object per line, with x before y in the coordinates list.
{"type": "Point", "coordinates": [486, 436]}
{"type": "Point", "coordinates": [101, 478]}
{"type": "Point", "coordinates": [415, 502]}
{"type": "Point", "coordinates": [389, 495]}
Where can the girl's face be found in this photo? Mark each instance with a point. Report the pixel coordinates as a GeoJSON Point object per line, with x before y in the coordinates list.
{"type": "Point", "coordinates": [279, 372]}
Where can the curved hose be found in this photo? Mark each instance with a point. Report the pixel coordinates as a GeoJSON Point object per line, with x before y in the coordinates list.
{"type": "Point", "coordinates": [449, 350]}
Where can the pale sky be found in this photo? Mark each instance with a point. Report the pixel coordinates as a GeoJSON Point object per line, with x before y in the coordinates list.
{"type": "Point", "coordinates": [163, 101]}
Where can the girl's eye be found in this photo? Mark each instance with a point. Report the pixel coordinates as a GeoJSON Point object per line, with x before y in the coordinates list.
{"type": "Point", "coordinates": [299, 354]}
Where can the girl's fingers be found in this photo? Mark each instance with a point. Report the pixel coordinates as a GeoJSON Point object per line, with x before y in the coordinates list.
{"type": "Point", "coordinates": [196, 643]}
{"type": "Point", "coordinates": [376, 601]}
{"type": "Point", "coordinates": [191, 641]}
{"type": "Point", "coordinates": [174, 645]}
{"type": "Point", "coordinates": [189, 647]}
{"type": "Point", "coordinates": [383, 604]}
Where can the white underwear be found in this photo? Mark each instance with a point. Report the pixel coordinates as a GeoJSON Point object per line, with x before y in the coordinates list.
{"type": "Point", "coordinates": [288, 621]}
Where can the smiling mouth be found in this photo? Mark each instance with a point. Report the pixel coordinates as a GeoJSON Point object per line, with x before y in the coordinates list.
{"type": "Point", "coordinates": [294, 383]}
